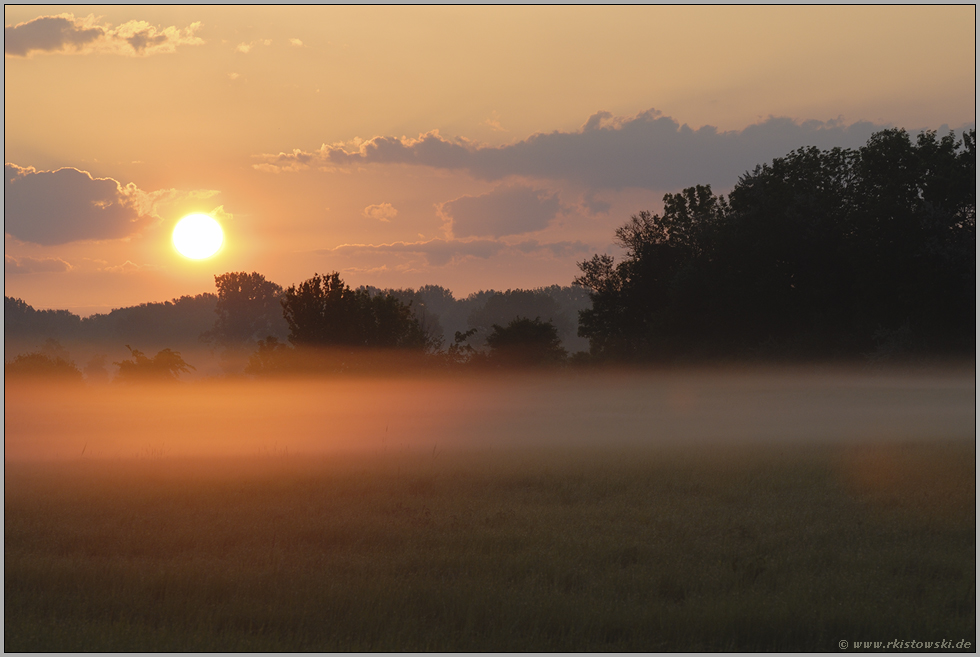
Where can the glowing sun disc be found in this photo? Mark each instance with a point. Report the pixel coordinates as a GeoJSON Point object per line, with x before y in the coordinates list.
{"type": "Point", "coordinates": [197, 236]}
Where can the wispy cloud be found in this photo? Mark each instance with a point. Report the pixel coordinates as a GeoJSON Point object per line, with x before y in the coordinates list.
{"type": "Point", "coordinates": [494, 122]}
{"type": "Point", "coordinates": [64, 33]}
{"type": "Point", "coordinates": [29, 265]}
{"type": "Point", "coordinates": [247, 47]}
{"type": "Point", "coordinates": [159, 201]}
{"type": "Point", "coordinates": [441, 252]}
{"type": "Point", "coordinates": [556, 249]}
{"type": "Point", "coordinates": [129, 267]}
{"type": "Point", "coordinates": [648, 151]}
{"type": "Point", "coordinates": [382, 212]}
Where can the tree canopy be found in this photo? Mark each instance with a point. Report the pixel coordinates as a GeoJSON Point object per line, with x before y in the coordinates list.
{"type": "Point", "coordinates": [819, 253]}
{"type": "Point", "coordinates": [248, 309]}
{"type": "Point", "coordinates": [167, 365]}
{"type": "Point", "coordinates": [51, 361]}
{"type": "Point", "coordinates": [525, 343]}
{"type": "Point", "coordinates": [324, 312]}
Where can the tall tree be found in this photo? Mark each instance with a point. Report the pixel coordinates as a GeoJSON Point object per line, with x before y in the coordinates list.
{"type": "Point", "coordinates": [248, 309]}
{"type": "Point", "coordinates": [323, 311]}
{"type": "Point", "coordinates": [816, 253]}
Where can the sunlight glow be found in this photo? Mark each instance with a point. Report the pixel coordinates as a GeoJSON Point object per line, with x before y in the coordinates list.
{"type": "Point", "coordinates": [198, 236]}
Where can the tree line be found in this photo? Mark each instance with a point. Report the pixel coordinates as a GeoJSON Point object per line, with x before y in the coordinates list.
{"type": "Point", "coordinates": [819, 254]}
{"type": "Point", "coordinates": [271, 325]}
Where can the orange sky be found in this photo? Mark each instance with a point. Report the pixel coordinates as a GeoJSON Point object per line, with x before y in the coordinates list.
{"type": "Point", "coordinates": [470, 147]}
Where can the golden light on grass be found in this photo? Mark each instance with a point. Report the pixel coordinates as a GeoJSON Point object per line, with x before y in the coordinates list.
{"type": "Point", "coordinates": [198, 236]}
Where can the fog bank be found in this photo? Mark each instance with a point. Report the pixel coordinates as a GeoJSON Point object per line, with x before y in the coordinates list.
{"type": "Point", "coordinates": [227, 418]}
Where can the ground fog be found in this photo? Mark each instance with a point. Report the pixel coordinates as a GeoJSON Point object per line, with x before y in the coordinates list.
{"type": "Point", "coordinates": [445, 414]}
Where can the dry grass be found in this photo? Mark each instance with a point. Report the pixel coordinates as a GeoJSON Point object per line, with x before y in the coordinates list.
{"type": "Point", "coordinates": [615, 549]}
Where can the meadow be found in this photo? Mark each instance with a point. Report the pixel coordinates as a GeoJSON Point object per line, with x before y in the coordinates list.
{"type": "Point", "coordinates": [737, 510]}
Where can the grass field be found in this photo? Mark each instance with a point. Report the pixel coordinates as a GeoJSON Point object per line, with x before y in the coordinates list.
{"type": "Point", "coordinates": [609, 546]}
{"type": "Point", "coordinates": [742, 550]}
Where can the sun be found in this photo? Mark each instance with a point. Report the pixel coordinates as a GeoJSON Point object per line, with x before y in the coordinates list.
{"type": "Point", "coordinates": [198, 236]}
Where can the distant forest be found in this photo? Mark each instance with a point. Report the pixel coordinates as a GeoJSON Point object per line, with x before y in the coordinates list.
{"type": "Point", "coordinates": [841, 254]}
{"type": "Point", "coordinates": [247, 309]}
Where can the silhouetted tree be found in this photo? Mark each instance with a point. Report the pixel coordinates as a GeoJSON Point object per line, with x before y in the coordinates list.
{"type": "Point", "coordinates": [816, 253]}
{"type": "Point", "coordinates": [20, 320]}
{"type": "Point", "coordinates": [324, 312]}
{"type": "Point", "coordinates": [248, 309]}
{"type": "Point", "coordinates": [503, 307]}
{"type": "Point", "coordinates": [427, 319]}
{"type": "Point", "coordinates": [179, 321]}
{"type": "Point", "coordinates": [525, 343]}
{"type": "Point", "coordinates": [460, 353]}
{"type": "Point", "coordinates": [661, 256]}
{"type": "Point", "coordinates": [43, 366]}
{"type": "Point", "coordinates": [167, 365]}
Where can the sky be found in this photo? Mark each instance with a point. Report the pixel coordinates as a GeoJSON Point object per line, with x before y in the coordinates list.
{"type": "Point", "coordinates": [468, 147]}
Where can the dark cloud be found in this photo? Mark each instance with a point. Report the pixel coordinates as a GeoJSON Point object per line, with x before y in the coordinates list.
{"type": "Point", "coordinates": [507, 210]}
{"type": "Point", "coordinates": [648, 151]}
{"type": "Point", "coordinates": [28, 265]}
{"type": "Point", "coordinates": [47, 33]}
{"type": "Point", "coordinates": [65, 33]}
{"type": "Point", "coordinates": [593, 205]}
{"type": "Point", "coordinates": [144, 39]}
{"type": "Point", "coordinates": [56, 207]}
{"type": "Point", "coordinates": [439, 252]}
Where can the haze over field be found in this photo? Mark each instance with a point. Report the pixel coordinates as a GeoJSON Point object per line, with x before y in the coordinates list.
{"type": "Point", "coordinates": [468, 147]}
{"type": "Point", "coordinates": [691, 409]}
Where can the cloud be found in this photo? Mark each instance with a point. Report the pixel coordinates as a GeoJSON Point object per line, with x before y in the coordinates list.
{"type": "Point", "coordinates": [67, 205]}
{"type": "Point", "coordinates": [507, 210]}
{"type": "Point", "coordinates": [384, 212]}
{"type": "Point", "coordinates": [130, 267]}
{"type": "Point", "coordinates": [494, 123]}
{"type": "Point", "coordinates": [162, 200]}
{"type": "Point", "coordinates": [555, 249]}
{"type": "Point", "coordinates": [56, 207]}
{"type": "Point", "coordinates": [29, 265]}
{"type": "Point", "coordinates": [66, 34]}
{"type": "Point", "coordinates": [441, 252]}
{"type": "Point", "coordinates": [436, 252]}
{"type": "Point", "coordinates": [593, 205]}
{"type": "Point", "coordinates": [246, 47]}
{"type": "Point", "coordinates": [221, 214]}
{"type": "Point", "coordinates": [296, 42]}
{"type": "Point", "coordinates": [647, 151]}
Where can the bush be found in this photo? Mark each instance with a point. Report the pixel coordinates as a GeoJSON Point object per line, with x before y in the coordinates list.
{"type": "Point", "coordinates": [526, 343]}
{"type": "Point", "coordinates": [39, 365]}
{"type": "Point", "coordinates": [167, 365]}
